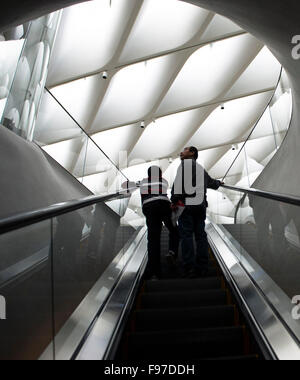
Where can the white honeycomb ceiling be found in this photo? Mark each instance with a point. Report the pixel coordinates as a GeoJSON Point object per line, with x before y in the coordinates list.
{"type": "Point", "coordinates": [171, 65]}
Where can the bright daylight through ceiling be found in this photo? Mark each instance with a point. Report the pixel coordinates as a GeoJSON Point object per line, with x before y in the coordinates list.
{"type": "Point", "coordinates": [190, 76]}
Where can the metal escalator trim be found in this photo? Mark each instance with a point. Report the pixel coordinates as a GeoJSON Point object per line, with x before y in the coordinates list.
{"type": "Point", "coordinates": [73, 332]}
{"type": "Point", "coordinates": [271, 329]}
{"type": "Point", "coordinates": [110, 324]}
{"type": "Point", "coordinates": [273, 293]}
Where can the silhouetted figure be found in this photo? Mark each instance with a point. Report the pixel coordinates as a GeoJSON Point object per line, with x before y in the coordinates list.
{"type": "Point", "coordinates": [157, 210]}
{"type": "Point", "coordinates": [190, 188]}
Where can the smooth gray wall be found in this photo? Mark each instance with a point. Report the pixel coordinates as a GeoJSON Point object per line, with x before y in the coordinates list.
{"type": "Point", "coordinates": [30, 178]}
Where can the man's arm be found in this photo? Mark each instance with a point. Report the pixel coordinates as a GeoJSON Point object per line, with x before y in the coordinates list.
{"type": "Point", "coordinates": [129, 186]}
{"type": "Point", "coordinates": [212, 183]}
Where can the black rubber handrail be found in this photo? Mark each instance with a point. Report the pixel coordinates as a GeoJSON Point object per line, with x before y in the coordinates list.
{"type": "Point", "coordinates": [16, 222]}
{"type": "Point", "coordinates": [289, 199]}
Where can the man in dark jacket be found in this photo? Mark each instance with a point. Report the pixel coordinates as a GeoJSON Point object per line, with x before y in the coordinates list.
{"type": "Point", "coordinates": [190, 188]}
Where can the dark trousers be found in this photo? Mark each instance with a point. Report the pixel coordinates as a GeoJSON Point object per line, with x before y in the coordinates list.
{"type": "Point", "coordinates": [192, 225]}
{"type": "Point", "coordinates": [157, 213]}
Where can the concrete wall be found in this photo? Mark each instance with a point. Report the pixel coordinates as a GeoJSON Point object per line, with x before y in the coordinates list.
{"type": "Point", "coordinates": [30, 179]}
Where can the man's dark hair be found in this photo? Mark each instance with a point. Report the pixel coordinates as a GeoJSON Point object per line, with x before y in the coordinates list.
{"type": "Point", "coordinates": [195, 151]}
{"type": "Point", "coordinates": [155, 171]}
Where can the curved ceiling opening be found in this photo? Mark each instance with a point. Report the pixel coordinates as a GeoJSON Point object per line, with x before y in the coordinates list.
{"type": "Point", "coordinates": [171, 73]}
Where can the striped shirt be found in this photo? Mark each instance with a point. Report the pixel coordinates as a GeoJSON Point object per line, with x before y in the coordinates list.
{"type": "Point", "coordinates": [154, 189]}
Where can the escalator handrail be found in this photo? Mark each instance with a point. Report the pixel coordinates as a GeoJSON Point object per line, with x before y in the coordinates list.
{"type": "Point", "coordinates": [289, 199]}
{"type": "Point", "coordinates": [84, 131]}
{"type": "Point", "coordinates": [26, 219]}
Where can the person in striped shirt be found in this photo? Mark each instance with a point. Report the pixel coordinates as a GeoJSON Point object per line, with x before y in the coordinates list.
{"type": "Point", "coordinates": [157, 210]}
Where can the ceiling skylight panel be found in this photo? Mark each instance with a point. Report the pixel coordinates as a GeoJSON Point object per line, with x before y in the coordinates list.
{"type": "Point", "coordinates": [209, 157]}
{"type": "Point", "coordinates": [88, 37]}
{"type": "Point", "coordinates": [166, 135]}
{"type": "Point", "coordinates": [228, 125]}
{"type": "Point", "coordinates": [133, 92]}
{"type": "Point", "coordinates": [96, 161]}
{"type": "Point", "coordinates": [259, 149]}
{"type": "Point", "coordinates": [219, 27]}
{"type": "Point", "coordinates": [281, 112]}
{"type": "Point", "coordinates": [80, 97]}
{"type": "Point", "coordinates": [53, 124]}
{"type": "Point", "coordinates": [69, 154]}
{"type": "Point", "coordinates": [96, 183]}
{"type": "Point", "coordinates": [161, 26]}
{"type": "Point", "coordinates": [209, 72]}
{"type": "Point", "coordinates": [171, 172]}
{"type": "Point", "coordinates": [221, 167]}
{"type": "Point", "coordinates": [263, 128]}
{"type": "Point", "coordinates": [138, 171]}
{"type": "Point", "coordinates": [117, 142]}
{"type": "Point", "coordinates": [263, 73]}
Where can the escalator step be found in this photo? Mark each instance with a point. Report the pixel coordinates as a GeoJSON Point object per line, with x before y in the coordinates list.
{"type": "Point", "coordinates": [186, 344]}
{"type": "Point", "coordinates": [161, 319]}
{"type": "Point", "coordinates": [211, 263]}
{"type": "Point", "coordinates": [178, 300]}
{"type": "Point", "coordinates": [213, 272]}
{"type": "Point", "coordinates": [178, 285]}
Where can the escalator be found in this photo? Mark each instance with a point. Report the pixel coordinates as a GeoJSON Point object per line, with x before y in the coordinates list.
{"type": "Point", "coordinates": [85, 297]}
{"type": "Point", "coordinates": [178, 319]}
{"type": "Point", "coordinates": [240, 311]}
